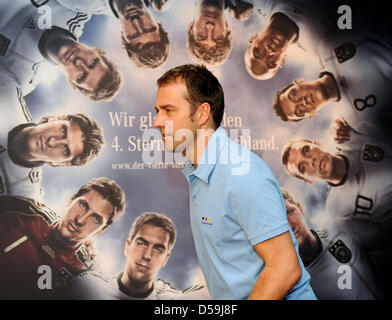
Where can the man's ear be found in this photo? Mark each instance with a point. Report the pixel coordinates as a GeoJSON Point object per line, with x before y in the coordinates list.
{"type": "Point", "coordinates": [190, 26]}
{"type": "Point", "coordinates": [166, 259]}
{"type": "Point", "coordinates": [204, 111]}
{"type": "Point", "coordinates": [317, 143]}
{"type": "Point", "coordinates": [252, 38]}
{"type": "Point", "coordinates": [283, 61]}
{"type": "Point", "coordinates": [127, 243]}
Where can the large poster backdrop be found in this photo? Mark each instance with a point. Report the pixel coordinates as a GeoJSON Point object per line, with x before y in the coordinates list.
{"type": "Point", "coordinates": [248, 105]}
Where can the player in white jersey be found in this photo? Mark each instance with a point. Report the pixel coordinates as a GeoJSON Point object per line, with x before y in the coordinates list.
{"type": "Point", "coordinates": [92, 285]}
{"type": "Point", "coordinates": [25, 146]}
{"type": "Point", "coordinates": [34, 32]}
{"type": "Point", "coordinates": [340, 269]}
{"type": "Point", "coordinates": [147, 249]}
{"type": "Point", "coordinates": [142, 35]}
{"type": "Point", "coordinates": [16, 179]}
{"type": "Point", "coordinates": [288, 22]}
{"type": "Point", "coordinates": [359, 176]}
{"type": "Point", "coordinates": [355, 79]}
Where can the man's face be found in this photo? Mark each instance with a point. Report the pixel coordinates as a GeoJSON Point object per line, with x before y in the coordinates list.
{"type": "Point", "coordinates": [83, 66]}
{"type": "Point", "coordinates": [139, 27]}
{"type": "Point", "coordinates": [210, 27]}
{"type": "Point", "coordinates": [297, 222]}
{"type": "Point", "coordinates": [266, 53]}
{"type": "Point", "coordinates": [86, 216]}
{"type": "Point", "coordinates": [303, 99]}
{"type": "Point", "coordinates": [147, 253]}
{"type": "Point", "coordinates": [174, 116]}
{"type": "Point", "coordinates": [56, 142]}
{"type": "Point", "coordinates": [309, 161]}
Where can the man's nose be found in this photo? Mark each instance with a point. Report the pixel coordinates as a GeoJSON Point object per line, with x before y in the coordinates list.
{"type": "Point", "coordinates": [158, 121]}
{"type": "Point", "coordinates": [81, 219]}
{"type": "Point", "coordinates": [147, 253]}
{"type": "Point", "coordinates": [80, 63]}
{"type": "Point", "coordinates": [53, 141]}
{"type": "Point", "coordinates": [210, 30]}
{"type": "Point", "coordinates": [137, 24]}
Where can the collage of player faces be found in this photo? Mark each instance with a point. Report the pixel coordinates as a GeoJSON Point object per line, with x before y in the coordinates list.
{"type": "Point", "coordinates": [83, 217]}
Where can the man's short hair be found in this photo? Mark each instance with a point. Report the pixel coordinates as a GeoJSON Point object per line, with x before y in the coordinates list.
{"type": "Point", "coordinates": [110, 191]}
{"type": "Point", "coordinates": [110, 84]}
{"type": "Point", "coordinates": [157, 220]}
{"type": "Point", "coordinates": [93, 139]}
{"type": "Point", "coordinates": [213, 56]}
{"type": "Point", "coordinates": [286, 195]}
{"type": "Point", "coordinates": [278, 107]}
{"type": "Point", "coordinates": [202, 87]}
{"type": "Point", "coordinates": [151, 55]}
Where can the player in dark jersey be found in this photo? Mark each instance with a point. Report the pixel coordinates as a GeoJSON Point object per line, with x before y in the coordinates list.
{"type": "Point", "coordinates": [33, 237]}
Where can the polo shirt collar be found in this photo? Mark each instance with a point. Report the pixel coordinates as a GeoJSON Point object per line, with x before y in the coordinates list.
{"type": "Point", "coordinates": [207, 163]}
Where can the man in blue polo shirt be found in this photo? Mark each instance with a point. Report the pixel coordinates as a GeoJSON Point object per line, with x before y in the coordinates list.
{"type": "Point", "coordinates": [238, 217]}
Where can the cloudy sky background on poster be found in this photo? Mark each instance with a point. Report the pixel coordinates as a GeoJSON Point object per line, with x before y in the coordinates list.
{"type": "Point", "coordinates": [166, 190]}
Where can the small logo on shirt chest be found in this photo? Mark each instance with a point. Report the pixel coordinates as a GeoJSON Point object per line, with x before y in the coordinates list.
{"type": "Point", "coordinates": [206, 220]}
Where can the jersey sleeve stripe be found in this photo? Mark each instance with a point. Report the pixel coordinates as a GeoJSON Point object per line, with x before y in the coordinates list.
{"type": "Point", "coordinates": [25, 110]}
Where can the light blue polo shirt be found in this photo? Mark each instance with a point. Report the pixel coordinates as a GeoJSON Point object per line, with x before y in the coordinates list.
{"type": "Point", "coordinates": [236, 203]}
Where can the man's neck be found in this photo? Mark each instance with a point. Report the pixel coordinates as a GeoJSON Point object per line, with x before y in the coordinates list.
{"type": "Point", "coordinates": [286, 26]}
{"type": "Point", "coordinates": [195, 152]}
{"type": "Point", "coordinates": [140, 290]}
{"type": "Point", "coordinates": [59, 239]}
{"type": "Point", "coordinates": [339, 170]}
{"type": "Point", "coordinates": [310, 249]}
{"type": "Point", "coordinates": [52, 40]}
{"type": "Point", "coordinates": [330, 86]}
{"type": "Point", "coordinates": [216, 3]}
{"type": "Point", "coordinates": [17, 141]}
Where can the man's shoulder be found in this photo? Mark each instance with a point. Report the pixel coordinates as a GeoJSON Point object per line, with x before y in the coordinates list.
{"type": "Point", "coordinates": [27, 207]}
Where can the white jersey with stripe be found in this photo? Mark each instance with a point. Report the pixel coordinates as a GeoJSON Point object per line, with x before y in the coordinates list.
{"type": "Point", "coordinates": [90, 6]}
{"type": "Point", "coordinates": [311, 18]}
{"type": "Point", "coordinates": [91, 285]}
{"type": "Point", "coordinates": [366, 194]}
{"type": "Point", "coordinates": [342, 270]}
{"type": "Point", "coordinates": [21, 26]}
{"type": "Point", "coordinates": [15, 179]}
{"type": "Point", "coordinates": [362, 67]}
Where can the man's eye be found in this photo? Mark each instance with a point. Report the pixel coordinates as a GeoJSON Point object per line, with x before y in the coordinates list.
{"type": "Point", "coordinates": [302, 168]}
{"type": "Point", "coordinates": [290, 211]}
{"type": "Point", "coordinates": [83, 205]}
{"type": "Point", "coordinates": [293, 92]}
{"type": "Point", "coordinates": [305, 149]}
{"type": "Point", "coordinates": [97, 219]}
{"type": "Point", "coordinates": [300, 112]}
{"type": "Point", "coordinates": [160, 250]}
{"type": "Point", "coordinates": [94, 63]}
{"type": "Point", "coordinates": [200, 36]}
{"type": "Point", "coordinates": [66, 151]}
{"type": "Point", "coordinates": [63, 132]}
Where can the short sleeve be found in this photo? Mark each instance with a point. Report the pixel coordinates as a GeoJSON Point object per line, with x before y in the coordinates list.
{"type": "Point", "coordinates": [256, 202]}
